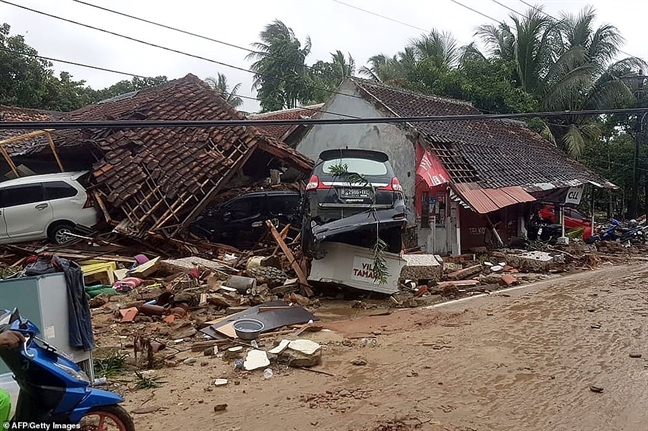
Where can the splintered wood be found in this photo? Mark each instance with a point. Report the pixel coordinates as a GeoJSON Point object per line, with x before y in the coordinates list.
{"type": "Point", "coordinates": [289, 255]}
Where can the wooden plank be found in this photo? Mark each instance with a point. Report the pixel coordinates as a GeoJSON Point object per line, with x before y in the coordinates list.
{"type": "Point", "coordinates": [51, 144]}
{"type": "Point", "coordinates": [284, 234]}
{"type": "Point", "coordinates": [23, 137]}
{"type": "Point", "coordinates": [291, 258]}
{"type": "Point", "coordinates": [9, 161]}
{"type": "Point", "coordinates": [102, 205]}
{"type": "Point", "coordinates": [227, 330]}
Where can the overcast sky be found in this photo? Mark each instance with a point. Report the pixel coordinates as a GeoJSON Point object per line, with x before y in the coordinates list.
{"type": "Point", "coordinates": [330, 24]}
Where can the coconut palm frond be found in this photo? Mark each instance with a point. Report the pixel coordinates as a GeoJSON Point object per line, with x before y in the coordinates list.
{"type": "Point", "coordinates": [573, 141]}
{"type": "Point", "coordinates": [470, 52]}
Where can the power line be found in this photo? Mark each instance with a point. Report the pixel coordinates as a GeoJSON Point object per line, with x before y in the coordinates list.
{"type": "Point", "coordinates": [199, 57]}
{"type": "Point", "coordinates": [168, 27]}
{"type": "Point", "coordinates": [504, 6]}
{"type": "Point", "coordinates": [134, 75]}
{"type": "Point", "coordinates": [390, 19]}
{"type": "Point", "coordinates": [72, 63]}
{"type": "Point", "coordinates": [139, 124]}
{"type": "Point", "coordinates": [556, 19]}
{"type": "Point", "coordinates": [381, 16]}
{"type": "Point", "coordinates": [475, 10]}
{"type": "Point", "coordinates": [189, 33]}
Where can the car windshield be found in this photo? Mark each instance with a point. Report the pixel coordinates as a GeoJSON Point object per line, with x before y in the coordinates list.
{"type": "Point", "coordinates": [357, 166]}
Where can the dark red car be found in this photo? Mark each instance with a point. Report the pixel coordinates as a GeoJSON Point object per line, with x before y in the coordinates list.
{"type": "Point", "coordinates": [573, 219]}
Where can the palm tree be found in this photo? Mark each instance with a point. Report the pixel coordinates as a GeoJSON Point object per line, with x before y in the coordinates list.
{"type": "Point", "coordinates": [342, 67]}
{"type": "Point", "coordinates": [565, 64]}
{"type": "Point", "coordinates": [583, 78]}
{"type": "Point", "coordinates": [439, 47]}
{"type": "Point", "coordinates": [390, 70]}
{"type": "Point", "coordinates": [280, 72]}
{"type": "Point", "coordinates": [220, 84]}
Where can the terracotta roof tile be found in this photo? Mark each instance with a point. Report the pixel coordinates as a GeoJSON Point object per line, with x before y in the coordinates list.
{"type": "Point", "coordinates": [168, 154]}
{"type": "Point", "coordinates": [287, 114]}
{"type": "Point", "coordinates": [492, 153]}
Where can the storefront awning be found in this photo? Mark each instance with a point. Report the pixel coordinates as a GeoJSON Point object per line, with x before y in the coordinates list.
{"type": "Point", "coordinates": [432, 171]}
{"type": "Point", "coordinates": [483, 201]}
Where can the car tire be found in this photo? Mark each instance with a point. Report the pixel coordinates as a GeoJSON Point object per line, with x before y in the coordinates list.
{"type": "Point", "coordinates": [57, 232]}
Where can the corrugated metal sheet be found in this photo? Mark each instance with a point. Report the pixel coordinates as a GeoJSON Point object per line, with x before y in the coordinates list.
{"type": "Point", "coordinates": [484, 201]}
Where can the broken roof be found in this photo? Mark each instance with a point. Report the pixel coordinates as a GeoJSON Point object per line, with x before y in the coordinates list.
{"type": "Point", "coordinates": [158, 175]}
{"type": "Point", "coordinates": [490, 153]}
{"type": "Point", "coordinates": [278, 131]}
{"type": "Point", "coordinates": [13, 113]}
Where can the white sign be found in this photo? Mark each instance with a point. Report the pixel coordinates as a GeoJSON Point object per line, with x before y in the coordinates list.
{"type": "Point", "coordinates": [363, 270]}
{"type": "Point", "coordinates": [574, 195]}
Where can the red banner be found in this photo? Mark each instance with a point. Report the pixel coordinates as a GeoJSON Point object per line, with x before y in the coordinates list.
{"type": "Point", "coordinates": [432, 171]}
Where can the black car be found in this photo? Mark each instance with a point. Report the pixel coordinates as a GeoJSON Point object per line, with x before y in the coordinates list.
{"type": "Point", "coordinates": [352, 194]}
{"type": "Point", "coordinates": [240, 222]}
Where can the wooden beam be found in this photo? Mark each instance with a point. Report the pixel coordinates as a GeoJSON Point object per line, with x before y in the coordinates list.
{"type": "Point", "coordinates": [23, 137]}
{"type": "Point", "coordinates": [291, 257]}
{"type": "Point", "coordinates": [284, 234]}
{"type": "Point", "coordinates": [236, 167]}
{"type": "Point", "coordinates": [9, 161]}
{"type": "Point", "coordinates": [51, 144]}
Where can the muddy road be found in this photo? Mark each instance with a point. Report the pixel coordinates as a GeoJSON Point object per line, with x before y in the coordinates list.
{"type": "Point", "coordinates": [523, 359]}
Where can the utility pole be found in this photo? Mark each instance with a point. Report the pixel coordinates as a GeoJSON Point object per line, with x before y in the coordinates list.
{"type": "Point", "coordinates": [634, 198]}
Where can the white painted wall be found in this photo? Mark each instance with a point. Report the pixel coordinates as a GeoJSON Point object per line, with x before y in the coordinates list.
{"type": "Point", "coordinates": [381, 137]}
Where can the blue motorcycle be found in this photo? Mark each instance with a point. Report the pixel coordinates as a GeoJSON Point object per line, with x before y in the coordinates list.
{"type": "Point", "coordinates": [53, 389]}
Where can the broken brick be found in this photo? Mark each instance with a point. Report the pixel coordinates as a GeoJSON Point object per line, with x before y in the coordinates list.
{"type": "Point", "coordinates": [509, 280]}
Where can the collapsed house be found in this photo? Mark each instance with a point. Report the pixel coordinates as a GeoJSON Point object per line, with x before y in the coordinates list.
{"type": "Point", "coordinates": [467, 183]}
{"type": "Point", "coordinates": [153, 180]}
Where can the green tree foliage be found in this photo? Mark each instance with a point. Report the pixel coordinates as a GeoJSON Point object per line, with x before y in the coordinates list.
{"type": "Point", "coordinates": [489, 85]}
{"type": "Point", "coordinates": [324, 77]}
{"type": "Point", "coordinates": [281, 76]}
{"type": "Point", "coordinates": [566, 65]}
{"type": "Point", "coordinates": [29, 82]}
{"type": "Point", "coordinates": [221, 85]}
{"type": "Point", "coordinates": [124, 86]}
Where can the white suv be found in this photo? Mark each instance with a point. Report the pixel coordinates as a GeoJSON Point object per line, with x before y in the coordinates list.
{"type": "Point", "coordinates": [44, 206]}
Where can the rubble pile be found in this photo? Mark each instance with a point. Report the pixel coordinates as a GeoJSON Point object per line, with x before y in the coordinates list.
{"type": "Point", "coordinates": [471, 274]}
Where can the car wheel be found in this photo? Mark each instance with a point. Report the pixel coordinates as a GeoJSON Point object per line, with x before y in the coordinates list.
{"type": "Point", "coordinates": [60, 233]}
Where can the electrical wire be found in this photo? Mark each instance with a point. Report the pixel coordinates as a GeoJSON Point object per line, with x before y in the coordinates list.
{"type": "Point", "coordinates": [155, 45]}
{"type": "Point", "coordinates": [189, 33]}
{"type": "Point", "coordinates": [134, 75]}
{"type": "Point", "coordinates": [137, 124]}
{"type": "Point", "coordinates": [504, 6]}
{"type": "Point", "coordinates": [475, 10]}
{"type": "Point", "coordinates": [74, 63]}
{"type": "Point", "coordinates": [381, 16]}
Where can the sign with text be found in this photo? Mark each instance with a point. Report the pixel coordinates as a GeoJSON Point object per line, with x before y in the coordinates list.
{"type": "Point", "coordinates": [432, 171]}
{"type": "Point", "coordinates": [363, 270]}
{"type": "Point", "coordinates": [574, 195]}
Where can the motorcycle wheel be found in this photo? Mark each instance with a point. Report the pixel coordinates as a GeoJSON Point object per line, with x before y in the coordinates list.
{"type": "Point", "coordinates": [107, 418]}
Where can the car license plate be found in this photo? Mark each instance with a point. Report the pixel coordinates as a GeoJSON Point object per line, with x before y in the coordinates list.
{"type": "Point", "coordinates": [355, 193]}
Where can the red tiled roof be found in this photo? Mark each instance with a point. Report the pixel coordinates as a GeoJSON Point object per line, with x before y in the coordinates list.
{"type": "Point", "coordinates": [156, 175]}
{"type": "Point", "coordinates": [279, 132]}
{"type": "Point", "coordinates": [492, 153]}
{"type": "Point", "coordinates": [13, 113]}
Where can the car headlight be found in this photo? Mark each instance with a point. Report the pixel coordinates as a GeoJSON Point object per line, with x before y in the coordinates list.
{"type": "Point", "coordinates": [79, 375]}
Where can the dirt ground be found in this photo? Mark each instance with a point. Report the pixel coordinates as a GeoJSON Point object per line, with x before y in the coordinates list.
{"type": "Point", "coordinates": [523, 359]}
